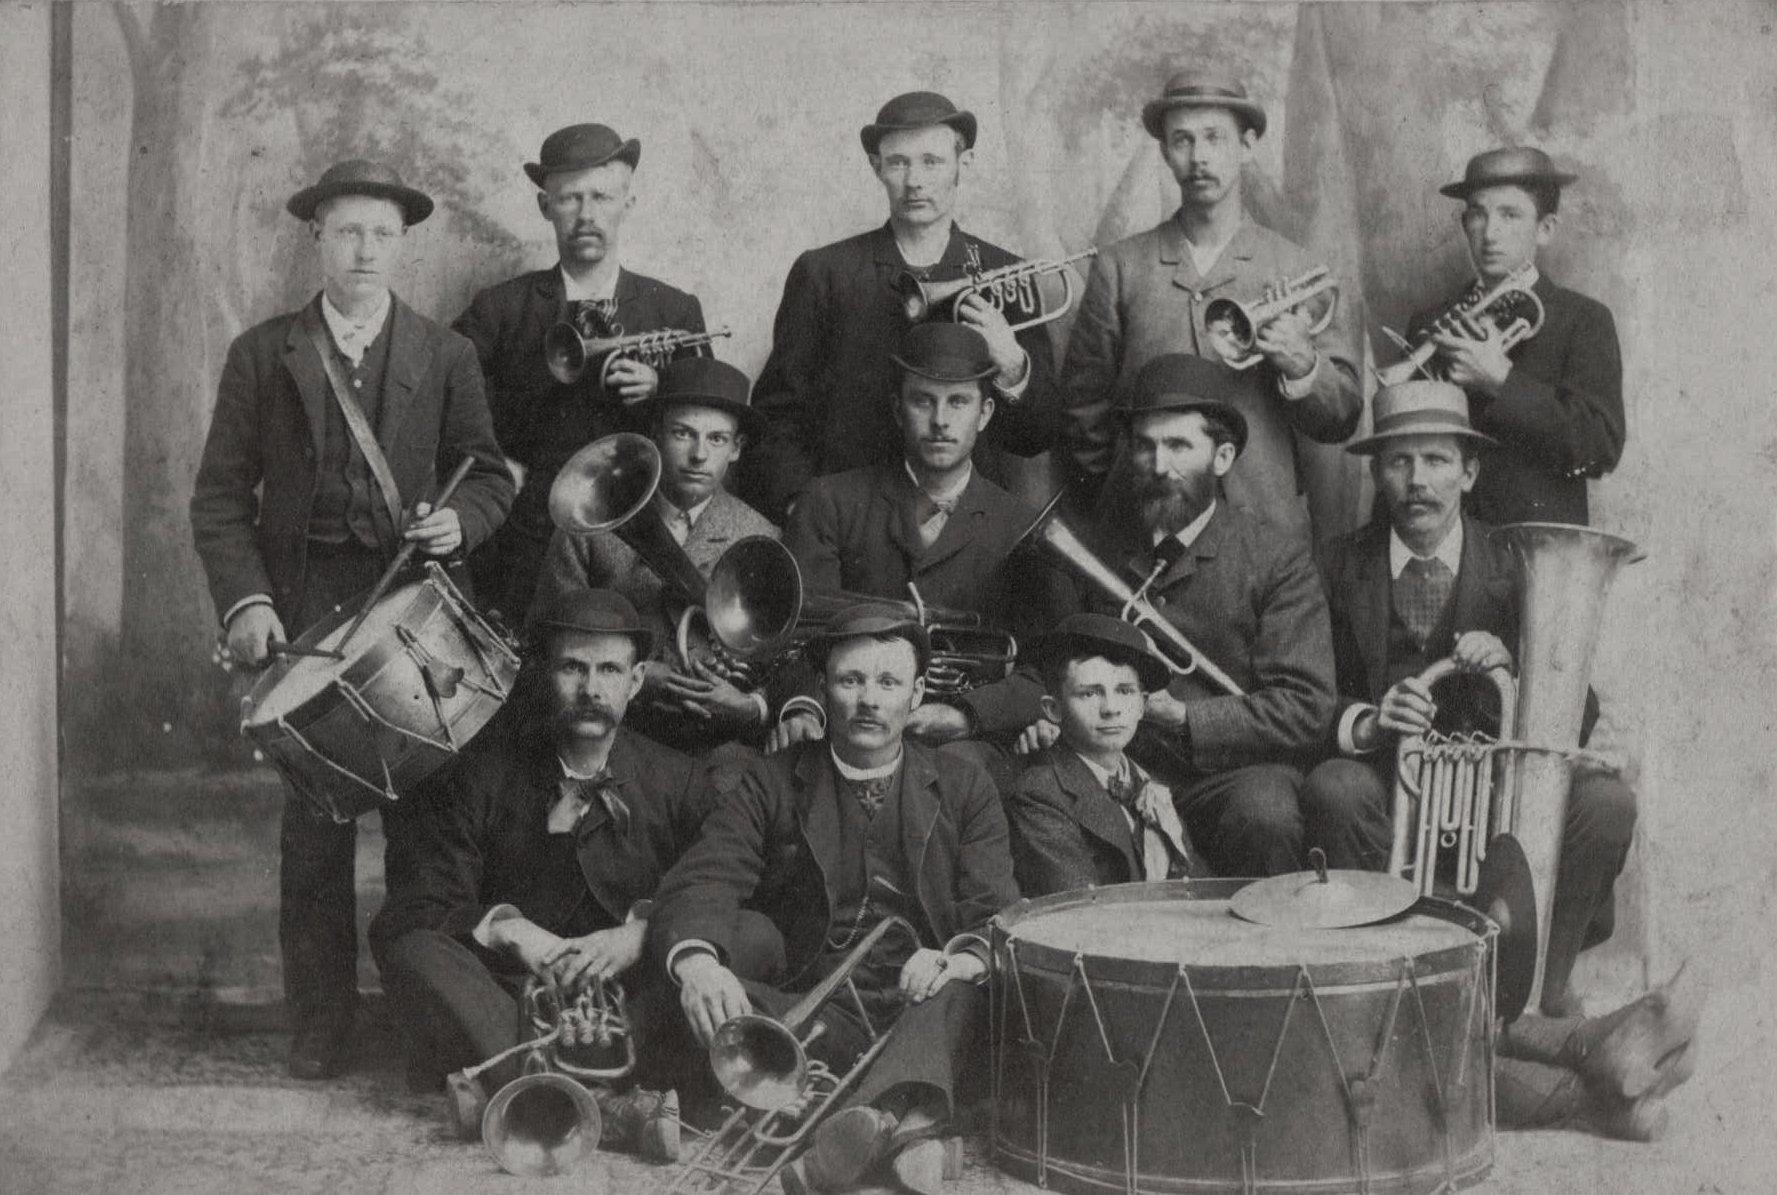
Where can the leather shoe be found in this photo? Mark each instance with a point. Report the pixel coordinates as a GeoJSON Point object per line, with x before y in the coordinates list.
{"type": "Point", "coordinates": [318, 1050]}
{"type": "Point", "coordinates": [846, 1146]}
{"type": "Point", "coordinates": [642, 1122]}
{"type": "Point", "coordinates": [923, 1166]}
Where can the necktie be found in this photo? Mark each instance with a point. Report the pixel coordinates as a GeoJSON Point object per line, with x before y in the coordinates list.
{"type": "Point", "coordinates": [680, 525]}
{"type": "Point", "coordinates": [1420, 594]}
{"type": "Point", "coordinates": [929, 515]}
{"type": "Point", "coordinates": [1168, 552]}
{"type": "Point", "coordinates": [578, 794]}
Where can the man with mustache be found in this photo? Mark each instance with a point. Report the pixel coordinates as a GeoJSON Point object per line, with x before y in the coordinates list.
{"type": "Point", "coordinates": [584, 177]}
{"type": "Point", "coordinates": [537, 853]}
{"type": "Point", "coordinates": [806, 851]}
{"type": "Point", "coordinates": [1239, 587]}
{"type": "Point", "coordinates": [1148, 295]}
{"type": "Point", "coordinates": [827, 388]}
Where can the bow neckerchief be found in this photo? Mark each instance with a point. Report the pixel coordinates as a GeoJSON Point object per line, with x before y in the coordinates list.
{"type": "Point", "coordinates": [869, 794]}
{"type": "Point", "coordinates": [577, 795]}
{"type": "Point", "coordinates": [1159, 833]}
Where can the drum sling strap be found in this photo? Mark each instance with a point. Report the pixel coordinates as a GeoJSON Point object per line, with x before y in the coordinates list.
{"type": "Point", "coordinates": [360, 426]}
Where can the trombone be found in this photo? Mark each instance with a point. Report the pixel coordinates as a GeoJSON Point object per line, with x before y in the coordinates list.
{"type": "Point", "coordinates": [1011, 288]}
{"type": "Point", "coordinates": [1509, 305]}
{"type": "Point", "coordinates": [572, 344]}
{"type": "Point", "coordinates": [1243, 320]}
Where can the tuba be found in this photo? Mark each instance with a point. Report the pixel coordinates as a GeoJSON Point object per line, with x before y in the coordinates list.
{"type": "Point", "coordinates": [1243, 320]}
{"type": "Point", "coordinates": [576, 342]}
{"type": "Point", "coordinates": [1011, 288]}
{"type": "Point", "coordinates": [1509, 305]}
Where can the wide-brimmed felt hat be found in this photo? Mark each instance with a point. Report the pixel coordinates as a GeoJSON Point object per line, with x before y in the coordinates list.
{"type": "Point", "coordinates": [1187, 382]}
{"type": "Point", "coordinates": [869, 619]}
{"type": "Point", "coordinates": [1418, 408]}
{"type": "Point", "coordinates": [917, 110]}
{"type": "Point", "coordinates": [1519, 166]}
{"type": "Point", "coordinates": [707, 382]}
{"type": "Point", "coordinates": [360, 176]}
{"type": "Point", "coordinates": [595, 612]}
{"type": "Point", "coordinates": [1202, 89]}
{"type": "Point", "coordinates": [945, 352]}
{"type": "Point", "coordinates": [1079, 636]}
{"type": "Point", "coordinates": [581, 147]}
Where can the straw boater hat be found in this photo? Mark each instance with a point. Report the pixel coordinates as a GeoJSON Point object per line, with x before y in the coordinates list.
{"type": "Point", "coordinates": [1519, 166]}
{"type": "Point", "coordinates": [1419, 408]}
{"type": "Point", "coordinates": [917, 110]}
{"type": "Point", "coordinates": [1202, 89]}
{"type": "Point", "coordinates": [359, 176]}
{"type": "Point", "coordinates": [581, 147]}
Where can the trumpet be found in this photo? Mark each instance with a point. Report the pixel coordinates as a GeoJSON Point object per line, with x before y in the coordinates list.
{"type": "Point", "coordinates": [1011, 288]}
{"type": "Point", "coordinates": [574, 343]}
{"type": "Point", "coordinates": [1509, 305]}
{"type": "Point", "coordinates": [1243, 320]}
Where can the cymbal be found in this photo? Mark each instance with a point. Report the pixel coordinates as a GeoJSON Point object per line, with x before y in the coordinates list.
{"type": "Point", "coordinates": [1323, 898]}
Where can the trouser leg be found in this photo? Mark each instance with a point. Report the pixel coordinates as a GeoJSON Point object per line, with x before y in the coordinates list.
{"type": "Point", "coordinates": [453, 1011]}
{"type": "Point", "coordinates": [1594, 846]}
{"type": "Point", "coordinates": [317, 913]}
{"type": "Point", "coordinates": [1247, 822]}
{"type": "Point", "coordinates": [1345, 812]}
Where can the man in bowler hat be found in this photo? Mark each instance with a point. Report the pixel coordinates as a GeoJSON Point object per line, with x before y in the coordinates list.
{"type": "Point", "coordinates": [292, 517]}
{"type": "Point", "coordinates": [584, 177]}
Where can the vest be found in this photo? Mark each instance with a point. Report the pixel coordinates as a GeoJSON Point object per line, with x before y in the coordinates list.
{"type": "Point", "coordinates": [348, 507]}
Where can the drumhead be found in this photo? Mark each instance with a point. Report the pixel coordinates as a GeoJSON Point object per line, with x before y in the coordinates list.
{"type": "Point", "coordinates": [304, 677]}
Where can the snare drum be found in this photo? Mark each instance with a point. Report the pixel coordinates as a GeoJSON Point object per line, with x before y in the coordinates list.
{"type": "Point", "coordinates": [422, 675]}
{"type": "Point", "coordinates": [1145, 1039]}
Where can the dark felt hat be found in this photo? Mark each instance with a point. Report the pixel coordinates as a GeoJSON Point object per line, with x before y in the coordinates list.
{"type": "Point", "coordinates": [595, 612]}
{"type": "Point", "coordinates": [1202, 89]}
{"type": "Point", "coordinates": [359, 176]}
{"type": "Point", "coordinates": [1418, 408]}
{"type": "Point", "coordinates": [945, 352]}
{"type": "Point", "coordinates": [581, 147]}
{"type": "Point", "coordinates": [870, 619]}
{"type": "Point", "coordinates": [1519, 166]}
{"type": "Point", "coordinates": [1186, 382]}
{"type": "Point", "coordinates": [708, 382]}
{"type": "Point", "coordinates": [917, 110]}
{"type": "Point", "coordinates": [1079, 636]}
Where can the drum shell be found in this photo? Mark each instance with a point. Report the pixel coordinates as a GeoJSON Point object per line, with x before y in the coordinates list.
{"type": "Point", "coordinates": [346, 760]}
{"type": "Point", "coordinates": [1175, 1126]}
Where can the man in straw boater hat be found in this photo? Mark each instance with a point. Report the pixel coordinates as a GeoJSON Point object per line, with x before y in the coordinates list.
{"type": "Point", "coordinates": [1423, 581]}
{"type": "Point", "coordinates": [826, 388]}
{"type": "Point", "coordinates": [804, 852]}
{"type": "Point", "coordinates": [584, 175]}
{"type": "Point", "coordinates": [330, 420]}
{"type": "Point", "coordinates": [1149, 294]}
{"type": "Point", "coordinates": [1553, 404]}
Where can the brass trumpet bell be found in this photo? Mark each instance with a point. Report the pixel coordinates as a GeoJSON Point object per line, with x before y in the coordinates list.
{"type": "Point", "coordinates": [541, 1124]}
{"type": "Point", "coordinates": [566, 352]}
{"type": "Point", "coordinates": [759, 1062]}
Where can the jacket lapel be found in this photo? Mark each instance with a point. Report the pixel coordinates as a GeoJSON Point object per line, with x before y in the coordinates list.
{"type": "Point", "coordinates": [1372, 603]}
{"type": "Point", "coordinates": [819, 813]}
{"type": "Point", "coordinates": [1096, 812]}
{"type": "Point", "coordinates": [1473, 582]}
{"type": "Point", "coordinates": [408, 355]}
{"type": "Point", "coordinates": [919, 817]}
{"type": "Point", "coordinates": [962, 527]}
{"type": "Point", "coordinates": [307, 371]}
{"type": "Point", "coordinates": [894, 492]}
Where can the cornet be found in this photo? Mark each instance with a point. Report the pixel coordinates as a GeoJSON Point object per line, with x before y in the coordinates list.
{"type": "Point", "coordinates": [572, 344]}
{"type": "Point", "coordinates": [1509, 305]}
{"type": "Point", "coordinates": [1011, 288]}
{"type": "Point", "coordinates": [1243, 320]}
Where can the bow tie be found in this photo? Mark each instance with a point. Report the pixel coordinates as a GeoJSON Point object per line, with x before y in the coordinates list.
{"type": "Point", "coordinates": [870, 794]}
{"type": "Point", "coordinates": [577, 796]}
{"type": "Point", "coordinates": [926, 508]}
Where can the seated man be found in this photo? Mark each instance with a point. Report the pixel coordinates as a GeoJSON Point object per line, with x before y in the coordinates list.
{"type": "Point", "coordinates": [1084, 813]}
{"type": "Point", "coordinates": [700, 421]}
{"type": "Point", "coordinates": [536, 853]}
{"type": "Point", "coordinates": [804, 853]}
{"type": "Point", "coordinates": [1244, 592]}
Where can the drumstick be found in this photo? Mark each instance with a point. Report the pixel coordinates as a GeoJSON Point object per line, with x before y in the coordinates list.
{"type": "Point", "coordinates": [278, 648]}
{"type": "Point", "coordinates": [405, 554]}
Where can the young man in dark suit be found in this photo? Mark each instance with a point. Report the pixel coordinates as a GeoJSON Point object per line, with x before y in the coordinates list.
{"type": "Point", "coordinates": [1553, 404]}
{"type": "Point", "coordinates": [584, 175]}
{"type": "Point", "coordinates": [291, 519]}
{"type": "Point", "coordinates": [827, 388]}
{"type": "Point", "coordinates": [537, 853]}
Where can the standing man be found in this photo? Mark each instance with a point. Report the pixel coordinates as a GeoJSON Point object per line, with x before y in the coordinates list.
{"type": "Point", "coordinates": [583, 176]}
{"type": "Point", "coordinates": [328, 421]}
{"type": "Point", "coordinates": [1148, 295]}
{"type": "Point", "coordinates": [1553, 403]}
{"type": "Point", "coordinates": [826, 389]}
{"type": "Point", "coordinates": [701, 422]}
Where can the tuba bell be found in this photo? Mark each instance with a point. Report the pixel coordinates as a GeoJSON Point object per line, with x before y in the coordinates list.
{"type": "Point", "coordinates": [1012, 288]}
{"type": "Point", "coordinates": [1243, 320]}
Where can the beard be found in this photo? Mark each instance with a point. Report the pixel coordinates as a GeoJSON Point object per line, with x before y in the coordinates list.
{"type": "Point", "coordinates": [1170, 504]}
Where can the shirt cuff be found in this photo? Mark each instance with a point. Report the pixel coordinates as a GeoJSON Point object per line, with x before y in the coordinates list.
{"type": "Point", "coordinates": [252, 599]}
{"type": "Point", "coordinates": [483, 931]}
{"type": "Point", "coordinates": [1013, 391]}
{"type": "Point", "coordinates": [1299, 388]}
{"type": "Point", "coordinates": [640, 911]}
{"type": "Point", "coordinates": [762, 706]}
{"type": "Point", "coordinates": [804, 704]}
{"type": "Point", "coordinates": [688, 946]}
{"type": "Point", "coordinates": [1348, 724]}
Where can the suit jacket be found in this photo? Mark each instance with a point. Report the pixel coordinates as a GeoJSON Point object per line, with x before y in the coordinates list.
{"type": "Point", "coordinates": [256, 483]}
{"type": "Point", "coordinates": [1559, 417]}
{"type": "Point", "coordinates": [1067, 832]}
{"type": "Point", "coordinates": [826, 390]}
{"type": "Point", "coordinates": [1146, 298]}
{"type": "Point", "coordinates": [470, 838]}
{"type": "Point", "coordinates": [1246, 594]}
{"type": "Point", "coordinates": [773, 840]}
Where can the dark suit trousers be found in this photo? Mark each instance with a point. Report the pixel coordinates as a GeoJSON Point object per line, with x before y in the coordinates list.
{"type": "Point", "coordinates": [1248, 821]}
{"type": "Point", "coordinates": [1346, 804]}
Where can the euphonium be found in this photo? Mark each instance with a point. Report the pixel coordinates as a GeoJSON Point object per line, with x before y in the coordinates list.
{"type": "Point", "coordinates": [609, 485]}
{"type": "Point", "coordinates": [572, 344]}
{"type": "Point", "coordinates": [1509, 305]}
{"type": "Point", "coordinates": [1011, 288]}
{"type": "Point", "coordinates": [1243, 320]}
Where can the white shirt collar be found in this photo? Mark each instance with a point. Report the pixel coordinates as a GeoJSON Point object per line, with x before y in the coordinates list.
{"type": "Point", "coordinates": [951, 492]}
{"type": "Point", "coordinates": [1106, 775]}
{"type": "Point", "coordinates": [1530, 279]}
{"type": "Point", "coordinates": [354, 335]}
{"type": "Point", "coordinates": [1187, 535]}
{"type": "Point", "coordinates": [859, 775]}
{"type": "Point", "coordinates": [570, 774]}
{"type": "Point", "coordinates": [691, 513]}
{"type": "Point", "coordinates": [577, 291]}
{"type": "Point", "coordinates": [1204, 256]}
{"type": "Point", "coordinates": [1450, 551]}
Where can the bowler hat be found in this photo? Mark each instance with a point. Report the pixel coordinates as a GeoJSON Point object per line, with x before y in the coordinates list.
{"type": "Point", "coordinates": [1185, 382]}
{"type": "Point", "coordinates": [595, 612]}
{"type": "Point", "coordinates": [707, 382]}
{"type": "Point", "coordinates": [945, 352]}
{"type": "Point", "coordinates": [359, 176]}
{"type": "Point", "coordinates": [1519, 166]}
{"type": "Point", "coordinates": [1418, 408]}
{"type": "Point", "coordinates": [1080, 636]}
{"type": "Point", "coordinates": [870, 619]}
{"type": "Point", "coordinates": [1202, 89]}
{"type": "Point", "coordinates": [581, 147]}
{"type": "Point", "coordinates": [917, 110]}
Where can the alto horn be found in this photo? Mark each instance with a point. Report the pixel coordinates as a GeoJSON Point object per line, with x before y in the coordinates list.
{"type": "Point", "coordinates": [569, 347]}
{"type": "Point", "coordinates": [609, 485]}
{"type": "Point", "coordinates": [1011, 288]}
{"type": "Point", "coordinates": [1509, 305]}
{"type": "Point", "coordinates": [1243, 320]}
